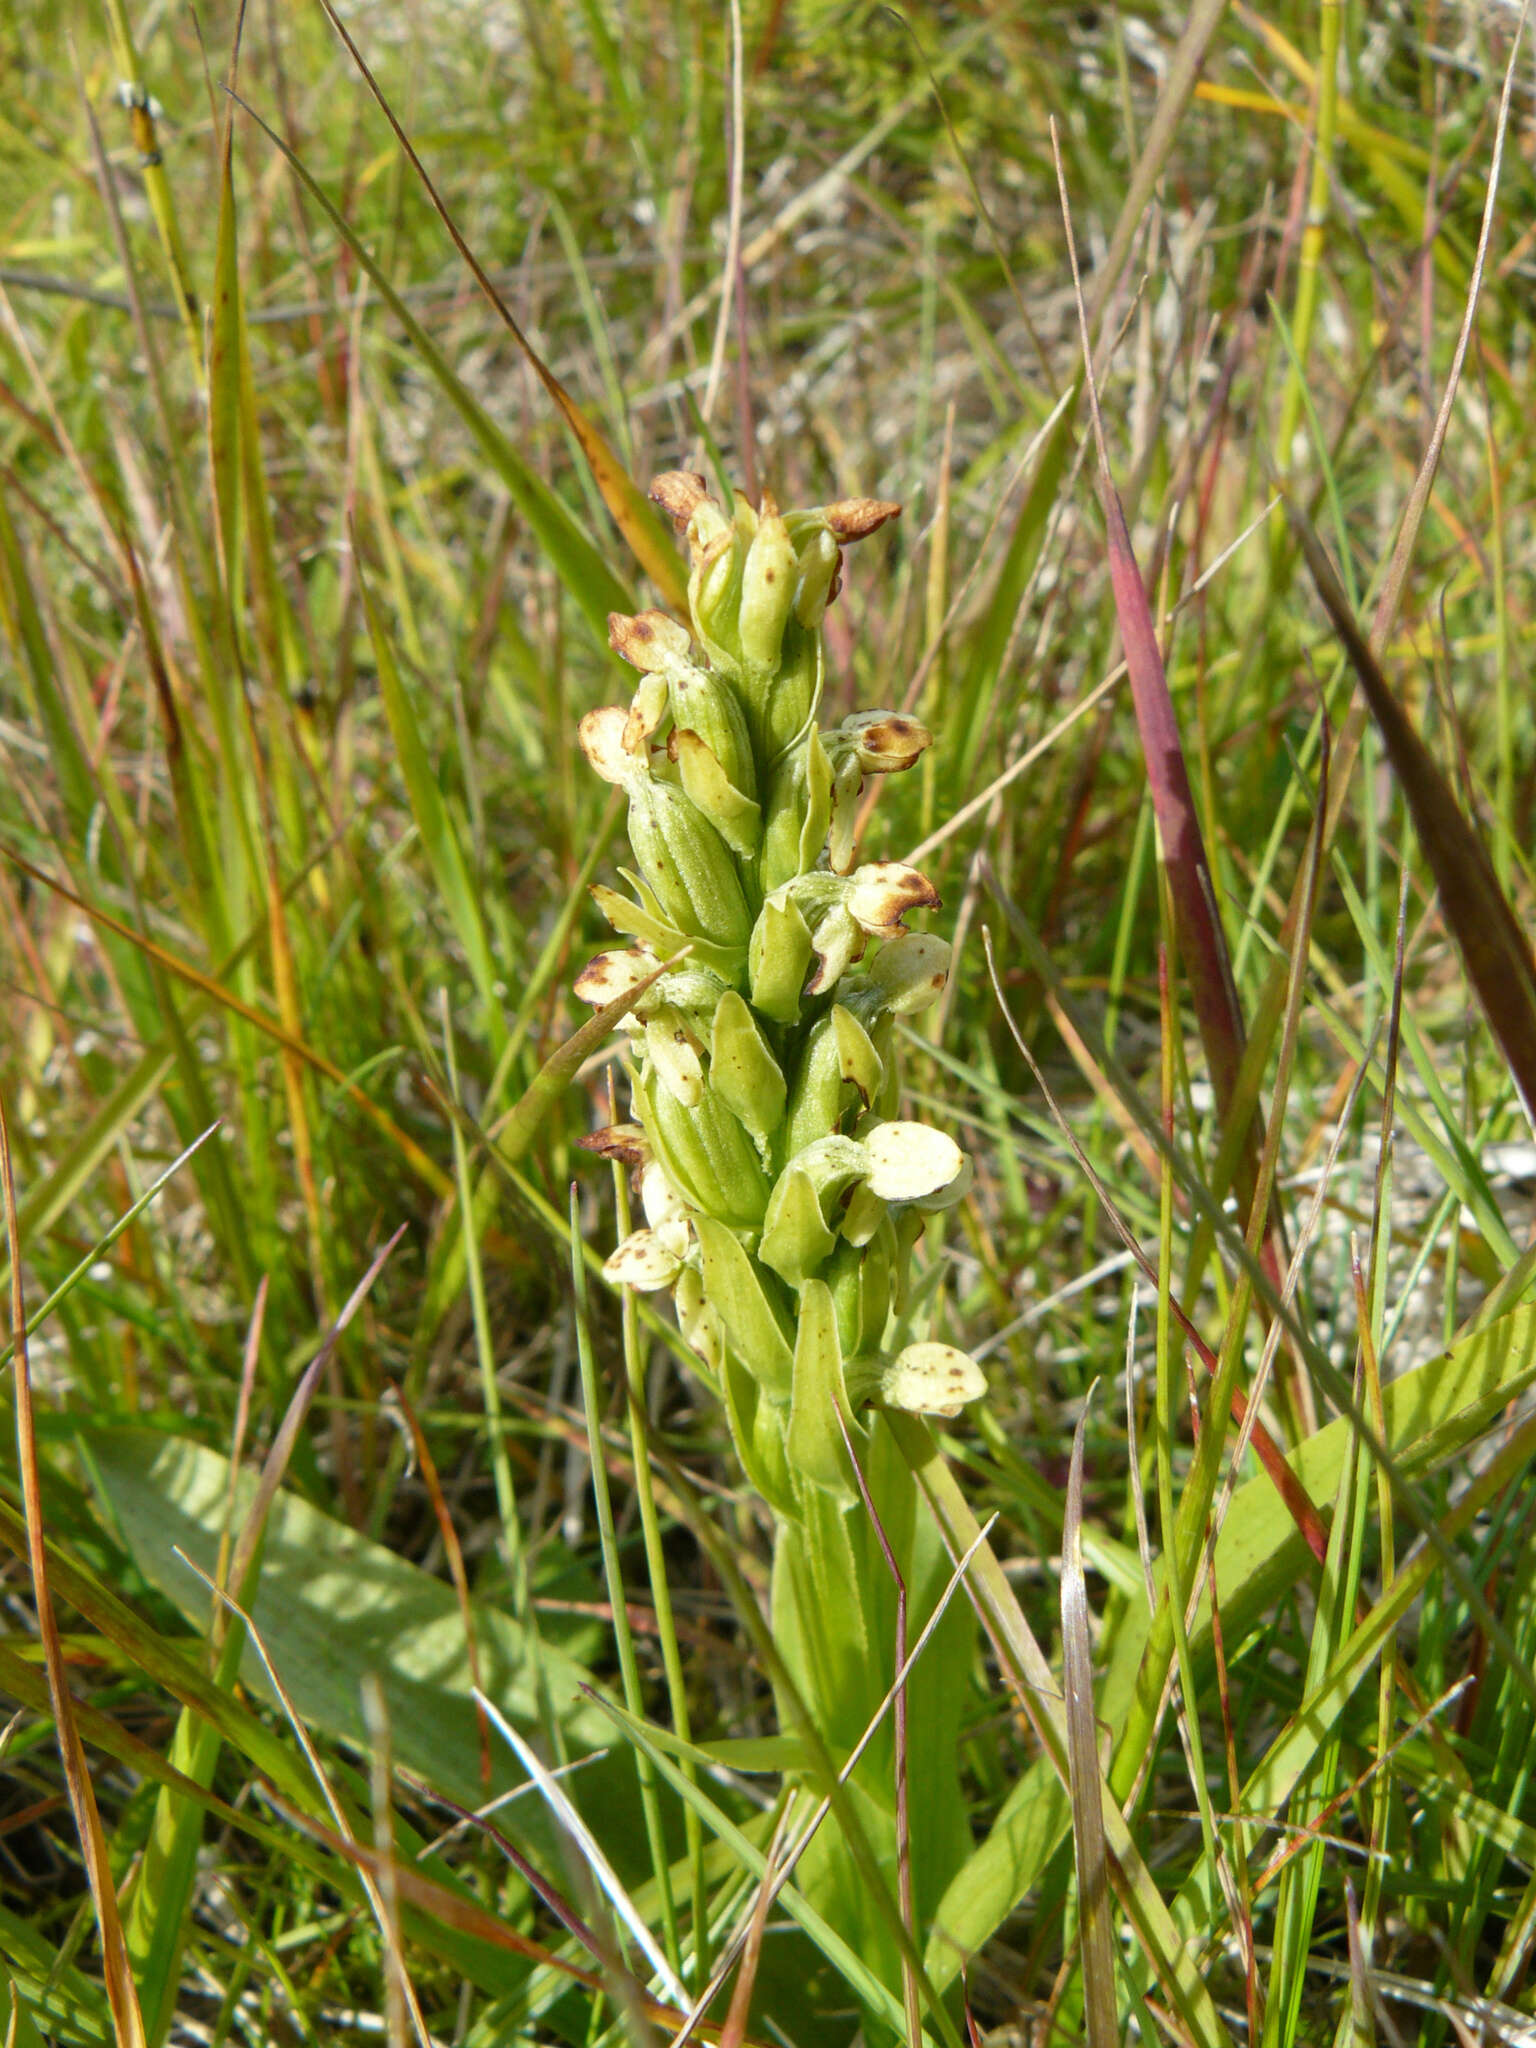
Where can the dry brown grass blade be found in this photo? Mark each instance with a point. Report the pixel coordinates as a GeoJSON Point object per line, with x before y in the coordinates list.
{"type": "Point", "coordinates": [1493, 945]}
{"type": "Point", "coordinates": [127, 2021]}
{"type": "Point", "coordinates": [463, 1916]}
{"type": "Point", "coordinates": [636, 518]}
{"type": "Point", "coordinates": [1094, 1927]}
{"type": "Point", "coordinates": [454, 1552]}
{"type": "Point", "coordinates": [734, 2033]}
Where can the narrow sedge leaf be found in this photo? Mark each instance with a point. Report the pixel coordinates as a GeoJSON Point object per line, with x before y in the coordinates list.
{"type": "Point", "coordinates": [439, 839]}
{"type": "Point", "coordinates": [520, 1126]}
{"type": "Point", "coordinates": [1493, 945]}
{"type": "Point", "coordinates": [1098, 1956]}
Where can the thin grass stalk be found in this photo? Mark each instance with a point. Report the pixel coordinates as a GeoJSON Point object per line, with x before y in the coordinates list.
{"type": "Point", "coordinates": [1309, 262]}
{"type": "Point", "coordinates": [637, 1412]}
{"type": "Point", "coordinates": [135, 99]}
{"type": "Point", "coordinates": [122, 1997]}
{"type": "Point", "coordinates": [613, 1572]}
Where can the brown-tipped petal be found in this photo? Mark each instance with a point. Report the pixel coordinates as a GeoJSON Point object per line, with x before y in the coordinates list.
{"type": "Point", "coordinates": [838, 941]}
{"type": "Point", "coordinates": [649, 640]}
{"type": "Point", "coordinates": [611, 975]}
{"type": "Point", "coordinates": [604, 740]}
{"type": "Point", "coordinates": [679, 492]}
{"type": "Point", "coordinates": [854, 518]}
{"type": "Point", "coordinates": [646, 712]}
{"type": "Point", "coordinates": [624, 1142]}
{"type": "Point", "coordinates": [887, 742]}
{"type": "Point", "coordinates": [882, 892]}
{"type": "Point", "coordinates": [644, 1261]}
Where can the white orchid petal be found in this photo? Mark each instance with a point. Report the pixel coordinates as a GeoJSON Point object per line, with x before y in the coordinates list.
{"type": "Point", "coordinates": [931, 1379]}
{"type": "Point", "coordinates": [911, 1160]}
{"type": "Point", "coordinates": [659, 1199]}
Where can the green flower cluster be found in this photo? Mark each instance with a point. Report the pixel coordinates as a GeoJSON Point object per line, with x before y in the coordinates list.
{"type": "Point", "coordinates": [782, 1193]}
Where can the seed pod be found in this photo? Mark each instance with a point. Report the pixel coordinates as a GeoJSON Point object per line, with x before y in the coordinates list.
{"type": "Point", "coordinates": [817, 568]}
{"type": "Point", "coordinates": [718, 547]}
{"type": "Point", "coordinates": [743, 1072]}
{"type": "Point", "coordinates": [860, 1280]}
{"type": "Point", "coordinates": [847, 781]}
{"type": "Point", "coordinates": [757, 1422]}
{"type": "Point", "coordinates": [707, 1155]}
{"type": "Point", "coordinates": [837, 1051]}
{"type": "Point", "coordinates": [687, 864]}
{"type": "Point", "coordinates": [777, 959]}
{"type": "Point", "coordinates": [789, 698]}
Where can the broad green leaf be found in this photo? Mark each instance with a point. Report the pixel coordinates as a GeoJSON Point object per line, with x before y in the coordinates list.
{"type": "Point", "coordinates": [331, 1606]}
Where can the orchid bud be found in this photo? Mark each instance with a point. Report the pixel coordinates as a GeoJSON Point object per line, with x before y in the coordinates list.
{"type": "Point", "coordinates": [675, 1053]}
{"type": "Point", "coordinates": [908, 1161]}
{"type": "Point", "coordinates": [817, 573]}
{"type": "Point", "coordinates": [648, 1260]}
{"type": "Point", "coordinates": [909, 972]}
{"type": "Point", "coordinates": [703, 1331]}
{"type": "Point", "coordinates": [767, 592]}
